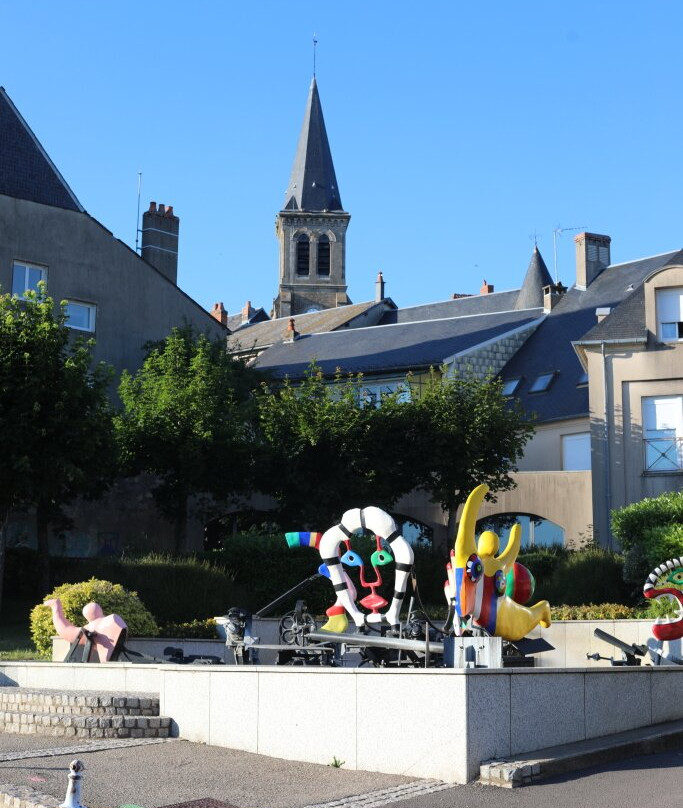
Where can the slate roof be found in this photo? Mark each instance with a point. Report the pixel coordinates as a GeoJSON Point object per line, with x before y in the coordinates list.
{"type": "Point", "coordinates": [550, 347]}
{"type": "Point", "coordinates": [313, 183]}
{"type": "Point", "coordinates": [26, 171]}
{"type": "Point", "coordinates": [261, 335]}
{"type": "Point", "coordinates": [462, 306]}
{"type": "Point", "coordinates": [537, 276]}
{"type": "Point", "coordinates": [393, 348]}
{"type": "Point", "coordinates": [626, 322]}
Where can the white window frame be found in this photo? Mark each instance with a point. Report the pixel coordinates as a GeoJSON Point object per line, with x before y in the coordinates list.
{"type": "Point", "coordinates": [92, 310]}
{"type": "Point", "coordinates": [26, 267]}
{"type": "Point", "coordinates": [662, 434]}
{"type": "Point", "coordinates": [669, 304]}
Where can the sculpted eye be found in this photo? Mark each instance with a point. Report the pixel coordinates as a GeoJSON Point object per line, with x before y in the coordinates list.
{"type": "Point", "coordinates": [380, 557]}
{"type": "Point", "coordinates": [500, 583]}
{"type": "Point", "coordinates": [676, 577]}
{"type": "Point", "coordinates": [351, 559]}
{"type": "Point", "coordinates": [474, 568]}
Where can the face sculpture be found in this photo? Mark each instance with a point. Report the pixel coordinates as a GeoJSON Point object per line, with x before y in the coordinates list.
{"type": "Point", "coordinates": [336, 551]}
{"type": "Point", "coordinates": [477, 579]}
{"type": "Point", "coordinates": [666, 580]}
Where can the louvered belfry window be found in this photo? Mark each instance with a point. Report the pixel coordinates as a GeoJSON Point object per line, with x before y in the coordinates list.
{"type": "Point", "coordinates": [303, 254]}
{"type": "Point", "coordinates": [324, 255]}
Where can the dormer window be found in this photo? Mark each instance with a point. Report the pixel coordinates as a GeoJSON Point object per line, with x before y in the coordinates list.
{"type": "Point", "coordinates": [542, 382]}
{"type": "Point", "coordinates": [303, 255]}
{"type": "Point", "coordinates": [669, 314]}
{"type": "Point", "coordinates": [324, 256]}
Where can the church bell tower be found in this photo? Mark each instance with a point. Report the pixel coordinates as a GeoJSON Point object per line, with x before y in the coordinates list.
{"type": "Point", "coordinates": [311, 228]}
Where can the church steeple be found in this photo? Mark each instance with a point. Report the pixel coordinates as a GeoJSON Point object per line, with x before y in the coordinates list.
{"type": "Point", "coordinates": [313, 183]}
{"type": "Point", "coordinates": [311, 228]}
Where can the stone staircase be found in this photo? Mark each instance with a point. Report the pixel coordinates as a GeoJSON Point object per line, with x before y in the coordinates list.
{"type": "Point", "coordinates": [88, 714]}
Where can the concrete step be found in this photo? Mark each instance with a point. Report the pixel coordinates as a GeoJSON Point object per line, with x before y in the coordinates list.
{"type": "Point", "coordinates": [84, 726]}
{"type": "Point", "coordinates": [521, 770]}
{"type": "Point", "coordinates": [43, 700]}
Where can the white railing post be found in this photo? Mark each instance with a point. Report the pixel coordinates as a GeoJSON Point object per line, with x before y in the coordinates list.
{"type": "Point", "coordinates": [73, 790]}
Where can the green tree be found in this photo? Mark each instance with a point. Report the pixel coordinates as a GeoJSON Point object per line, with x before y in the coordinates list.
{"type": "Point", "coordinates": [55, 417]}
{"type": "Point", "coordinates": [186, 420]}
{"type": "Point", "coordinates": [469, 434]}
{"type": "Point", "coordinates": [324, 450]}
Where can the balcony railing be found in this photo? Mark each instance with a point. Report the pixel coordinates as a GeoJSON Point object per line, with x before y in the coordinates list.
{"type": "Point", "coordinates": [663, 454]}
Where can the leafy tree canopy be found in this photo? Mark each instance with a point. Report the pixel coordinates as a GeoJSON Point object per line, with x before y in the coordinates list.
{"type": "Point", "coordinates": [186, 420]}
{"type": "Point", "coordinates": [55, 416]}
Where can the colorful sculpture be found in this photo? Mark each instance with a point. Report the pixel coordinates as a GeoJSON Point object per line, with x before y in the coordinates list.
{"type": "Point", "coordinates": [477, 579]}
{"type": "Point", "coordinates": [666, 580]}
{"type": "Point", "coordinates": [390, 547]}
{"type": "Point", "coordinates": [106, 630]}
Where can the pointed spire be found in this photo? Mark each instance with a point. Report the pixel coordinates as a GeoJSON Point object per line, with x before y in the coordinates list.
{"type": "Point", "coordinates": [537, 276]}
{"type": "Point", "coordinates": [313, 184]}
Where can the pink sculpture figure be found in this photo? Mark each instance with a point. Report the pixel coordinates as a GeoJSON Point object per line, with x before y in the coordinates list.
{"type": "Point", "coordinates": [106, 629]}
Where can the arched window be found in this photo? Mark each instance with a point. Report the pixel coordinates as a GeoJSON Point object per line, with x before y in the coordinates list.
{"type": "Point", "coordinates": [323, 255]}
{"type": "Point", "coordinates": [303, 254]}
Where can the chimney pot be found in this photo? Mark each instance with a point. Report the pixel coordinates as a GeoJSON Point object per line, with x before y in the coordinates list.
{"type": "Point", "coordinates": [551, 296]}
{"type": "Point", "coordinates": [291, 333]}
{"type": "Point", "coordinates": [152, 207]}
{"type": "Point", "coordinates": [219, 313]}
{"type": "Point", "coordinates": [161, 210]}
{"type": "Point", "coordinates": [169, 211]}
{"type": "Point", "coordinates": [379, 288]}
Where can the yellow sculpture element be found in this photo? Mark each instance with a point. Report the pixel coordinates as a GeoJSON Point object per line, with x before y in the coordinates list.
{"type": "Point", "coordinates": [477, 578]}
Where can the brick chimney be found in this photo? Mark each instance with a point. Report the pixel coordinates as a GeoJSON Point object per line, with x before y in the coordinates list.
{"type": "Point", "coordinates": [291, 333]}
{"type": "Point", "coordinates": [219, 313]}
{"type": "Point", "coordinates": [592, 256]}
{"type": "Point", "coordinates": [247, 312]}
{"type": "Point", "coordinates": [552, 295]}
{"type": "Point", "coordinates": [379, 288]}
{"type": "Point", "coordinates": [160, 227]}
{"type": "Point", "coordinates": [486, 288]}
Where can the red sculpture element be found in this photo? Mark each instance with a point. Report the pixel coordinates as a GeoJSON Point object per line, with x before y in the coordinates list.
{"type": "Point", "coordinates": [106, 630]}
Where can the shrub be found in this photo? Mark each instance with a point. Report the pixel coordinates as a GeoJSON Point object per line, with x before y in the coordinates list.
{"type": "Point", "coordinates": [598, 611]}
{"type": "Point", "coordinates": [193, 630]}
{"type": "Point", "coordinates": [113, 598]}
{"type": "Point", "coordinates": [589, 576]}
{"type": "Point", "coordinates": [542, 562]}
{"type": "Point", "coordinates": [650, 532]}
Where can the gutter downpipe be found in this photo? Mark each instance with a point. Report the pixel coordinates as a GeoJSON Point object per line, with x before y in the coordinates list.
{"type": "Point", "coordinates": [608, 486]}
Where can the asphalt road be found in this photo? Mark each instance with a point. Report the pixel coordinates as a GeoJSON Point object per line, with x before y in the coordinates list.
{"type": "Point", "coordinates": [178, 771]}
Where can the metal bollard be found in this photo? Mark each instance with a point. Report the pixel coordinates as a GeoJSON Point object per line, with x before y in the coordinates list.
{"type": "Point", "coordinates": [73, 790]}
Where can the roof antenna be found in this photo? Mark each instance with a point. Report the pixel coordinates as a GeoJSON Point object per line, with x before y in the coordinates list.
{"type": "Point", "coordinates": [137, 221]}
{"type": "Point", "coordinates": [534, 236]}
{"type": "Point", "coordinates": [558, 232]}
{"type": "Point", "coordinates": [315, 42]}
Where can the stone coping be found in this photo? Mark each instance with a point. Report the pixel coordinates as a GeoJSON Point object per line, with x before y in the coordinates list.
{"type": "Point", "coordinates": [347, 671]}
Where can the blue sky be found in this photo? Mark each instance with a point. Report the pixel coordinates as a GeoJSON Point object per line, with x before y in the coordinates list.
{"type": "Point", "coordinates": [457, 130]}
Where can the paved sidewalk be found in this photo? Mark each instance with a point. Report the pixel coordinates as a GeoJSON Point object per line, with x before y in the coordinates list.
{"type": "Point", "coordinates": [175, 771]}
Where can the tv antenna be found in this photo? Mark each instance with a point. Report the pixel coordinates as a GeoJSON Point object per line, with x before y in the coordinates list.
{"type": "Point", "coordinates": [137, 221]}
{"type": "Point", "coordinates": [558, 232]}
